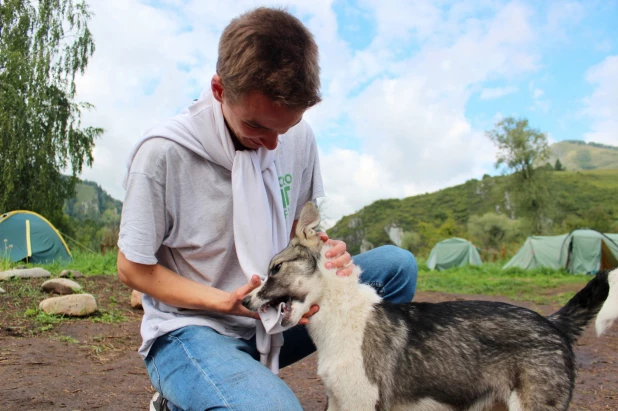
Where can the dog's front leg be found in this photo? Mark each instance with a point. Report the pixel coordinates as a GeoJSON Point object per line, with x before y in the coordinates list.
{"type": "Point", "coordinates": [331, 404]}
{"type": "Point", "coordinates": [350, 399]}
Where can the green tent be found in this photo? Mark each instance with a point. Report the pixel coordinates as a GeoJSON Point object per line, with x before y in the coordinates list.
{"type": "Point", "coordinates": [538, 251]}
{"type": "Point", "coordinates": [25, 235]}
{"type": "Point", "coordinates": [580, 251]}
{"type": "Point", "coordinates": [453, 252]}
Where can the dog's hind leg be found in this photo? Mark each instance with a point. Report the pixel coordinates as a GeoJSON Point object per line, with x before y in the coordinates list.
{"type": "Point", "coordinates": [514, 402]}
{"type": "Point", "coordinates": [539, 398]}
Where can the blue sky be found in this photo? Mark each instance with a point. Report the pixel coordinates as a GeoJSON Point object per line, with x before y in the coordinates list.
{"type": "Point", "coordinates": [409, 87]}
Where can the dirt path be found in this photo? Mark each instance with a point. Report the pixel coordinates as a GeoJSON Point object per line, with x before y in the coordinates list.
{"type": "Point", "coordinates": [82, 365]}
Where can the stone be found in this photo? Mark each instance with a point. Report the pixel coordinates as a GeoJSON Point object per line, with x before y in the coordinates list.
{"type": "Point", "coordinates": [35, 272]}
{"type": "Point", "coordinates": [2, 290]}
{"type": "Point", "coordinates": [71, 274]}
{"type": "Point", "coordinates": [136, 299]}
{"type": "Point", "coordinates": [61, 286]}
{"type": "Point", "coordinates": [75, 305]}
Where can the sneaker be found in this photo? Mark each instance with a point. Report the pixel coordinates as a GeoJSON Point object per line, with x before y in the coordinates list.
{"type": "Point", "coordinates": [158, 403]}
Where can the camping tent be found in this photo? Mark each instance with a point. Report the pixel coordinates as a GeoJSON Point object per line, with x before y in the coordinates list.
{"type": "Point", "coordinates": [580, 251]}
{"type": "Point", "coordinates": [538, 251]}
{"type": "Point", "coordinates": [25, 235]}
{"type": "Point", "coordinates": [453, 252]}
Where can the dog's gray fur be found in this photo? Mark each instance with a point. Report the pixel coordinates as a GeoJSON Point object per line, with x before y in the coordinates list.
{"type": "Point", "coordinates": [463, 355]}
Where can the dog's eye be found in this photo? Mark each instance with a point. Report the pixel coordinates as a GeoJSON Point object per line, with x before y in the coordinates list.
{"type": "Point", "coordinates": [275, 269]}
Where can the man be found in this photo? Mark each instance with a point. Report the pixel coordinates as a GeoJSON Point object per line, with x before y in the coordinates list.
{"type": "Point", "coordinates": [212, 195]}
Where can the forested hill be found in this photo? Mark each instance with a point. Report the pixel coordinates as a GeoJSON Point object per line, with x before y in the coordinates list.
{"type": "Point", "coordinates": [577, 155]}
{"type": "Point", "coordinates": [581, 199]}
{"type": "Point", "coordinates": [94, 217]}
{"type": "Point", "coordinates": [91, 202]}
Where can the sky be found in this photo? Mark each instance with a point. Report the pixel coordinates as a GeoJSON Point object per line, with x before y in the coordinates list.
{"type": "Point", "coordinates": [409, 88]}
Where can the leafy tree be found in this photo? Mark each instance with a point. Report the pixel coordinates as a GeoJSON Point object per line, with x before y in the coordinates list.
{"type": "Point", "coordinates": [426, 235]}
{"type": "Point", "coordinates": [558, 166]}
{"type": "Point", "coordinates": [492, 231]}
{"type": "Point", "coordinates": [43, 45]}
{"type": "Point", "coordinates": [601, 219]}
{"type": "Point", "coordinates": [520, 147]}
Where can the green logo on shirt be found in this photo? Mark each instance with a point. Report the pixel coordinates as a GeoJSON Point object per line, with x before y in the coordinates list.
{"type": "Point", "coordinates": [285, 182]}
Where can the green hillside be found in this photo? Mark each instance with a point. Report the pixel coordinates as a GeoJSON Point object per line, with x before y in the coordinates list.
{"type": "Point", "coordinates": [582, 198]}
{"type": "Point", "coordinates": [91, 202]}
{"type": "Point", "coordinates": [578, 155]}
{"type": "Point", "coordinates": [94, 216]}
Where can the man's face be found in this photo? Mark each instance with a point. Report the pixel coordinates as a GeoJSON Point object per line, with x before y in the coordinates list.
{"type": "Point", "coordinates": [255, 120]}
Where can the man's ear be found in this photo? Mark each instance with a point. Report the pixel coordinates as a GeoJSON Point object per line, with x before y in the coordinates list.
{"type": "Point", "coordinates": [217, 88]}
{"type": "Point", "coordinates": [308, 222]}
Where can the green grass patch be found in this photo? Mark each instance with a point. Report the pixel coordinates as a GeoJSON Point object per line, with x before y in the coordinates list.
{"type": "Point", "coordinates": [86, 262]}
{"type": "Point", "coordinates": [44, 321]}
{"type": "Point", "coordinates": [67, 338]}
{"type": "Point", "coordinates": [538, 286]}
{"type": "Point", "coordinates": [108, 317]}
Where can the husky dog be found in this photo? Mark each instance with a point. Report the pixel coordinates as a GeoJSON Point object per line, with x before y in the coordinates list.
{"type": "Point", "coordinates": [460, 355]}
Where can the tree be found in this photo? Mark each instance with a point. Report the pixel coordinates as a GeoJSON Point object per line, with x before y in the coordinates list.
{"type": "Point", "coordinates": [520, 149]}
{"type": "Point", "coordinates": [43, 45]}
{"type": "Point", "coordinates": [558, 166]}
{"type": "Point", "coordinates": [492, 231]}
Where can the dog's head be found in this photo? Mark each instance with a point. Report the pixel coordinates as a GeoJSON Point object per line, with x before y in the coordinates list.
{"type": "Point", "coordinates": [294, 276]}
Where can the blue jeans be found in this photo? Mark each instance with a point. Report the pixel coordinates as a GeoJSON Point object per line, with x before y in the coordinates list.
{"type": "Point", "coordinates": [196, 368]}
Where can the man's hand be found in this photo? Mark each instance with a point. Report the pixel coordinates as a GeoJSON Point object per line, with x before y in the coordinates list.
{"type": "Point", "coordinates": [234, 304]}
{"type": "Point", "coordinates": [305, 319]}
{"type": "Point", "coordinates": [338, 256]}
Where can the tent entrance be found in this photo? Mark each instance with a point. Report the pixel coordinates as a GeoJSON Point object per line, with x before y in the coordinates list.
{"type": "Point", "coordinates": [608, 259]}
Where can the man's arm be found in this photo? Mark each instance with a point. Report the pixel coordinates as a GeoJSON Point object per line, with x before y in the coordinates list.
{"type": "Point", "coordinates": [175, 290]}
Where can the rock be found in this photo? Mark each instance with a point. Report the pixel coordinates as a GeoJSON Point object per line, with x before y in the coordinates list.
{"type": "Point", "coordinates": [71, 274]}
{"type": "Point", "coordinates": [36, 272]}
{"type": "Point", "coordinates": [136, 299]}
{"type": "Point", "coordinates": [2, 290]}
{"type": "Point", "coordinates": [61, 286]}
{"type": "Point", "coordinates": [77, 305]}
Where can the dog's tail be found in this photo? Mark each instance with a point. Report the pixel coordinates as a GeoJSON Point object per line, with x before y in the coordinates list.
{"type": "Point", "coordinates": [600, 296]}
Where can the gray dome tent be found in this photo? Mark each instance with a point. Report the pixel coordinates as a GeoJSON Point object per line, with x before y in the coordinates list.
{"type": "Point", "coordinates": [453, 252]}
{"type": "Point", "coordinates": [581, 251]}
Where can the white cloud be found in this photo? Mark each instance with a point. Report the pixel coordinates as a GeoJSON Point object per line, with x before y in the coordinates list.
{"type": "Point", "coordinates": [496, 92]}
{"type": "Point", "coordinates": [411, 121]}
{"type": "Point", "coordinates": [562, 16]}
{"type": "Point", "coordinates": [401, 101]}
{"type": "Point", "coordinates": [602, 106]}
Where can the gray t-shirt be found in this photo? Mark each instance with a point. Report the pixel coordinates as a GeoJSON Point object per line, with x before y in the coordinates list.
{"type": "Point", "coordinates": [178, 212]}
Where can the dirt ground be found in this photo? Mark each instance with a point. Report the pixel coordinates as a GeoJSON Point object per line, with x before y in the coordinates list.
{"type": "Point", "coordinates": [92, 363]}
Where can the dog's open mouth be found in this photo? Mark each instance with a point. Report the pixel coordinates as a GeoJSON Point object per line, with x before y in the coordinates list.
{"type": "Point", "coordinates": [286, 308]}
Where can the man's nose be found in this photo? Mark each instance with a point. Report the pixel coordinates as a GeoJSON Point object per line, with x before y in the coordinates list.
{"type": "Point", "coordinates": [270, 140]}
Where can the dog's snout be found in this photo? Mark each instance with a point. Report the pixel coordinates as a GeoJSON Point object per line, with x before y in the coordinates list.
{"type": "Point", "coordinates": [246, 302]}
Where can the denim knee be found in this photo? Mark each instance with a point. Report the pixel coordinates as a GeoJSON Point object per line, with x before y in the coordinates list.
{"type": "Point", "coordinates": [402, 271]}
{"type": "Point", "coordinates": [391, 270]}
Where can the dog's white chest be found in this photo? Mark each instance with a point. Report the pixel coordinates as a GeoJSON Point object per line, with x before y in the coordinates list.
{"type": "Point", "coordinates": [339, 338]}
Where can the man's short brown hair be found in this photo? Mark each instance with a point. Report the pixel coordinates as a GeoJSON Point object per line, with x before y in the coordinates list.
{"type": "Point", "coordinates": [270, 51]}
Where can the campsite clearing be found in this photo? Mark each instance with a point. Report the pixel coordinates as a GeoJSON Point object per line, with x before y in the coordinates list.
{"type": "Point", "coordinates": [92, 363]}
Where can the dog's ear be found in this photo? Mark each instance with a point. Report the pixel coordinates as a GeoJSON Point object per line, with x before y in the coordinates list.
{"type": "Point", "coordinates": [308, 222]}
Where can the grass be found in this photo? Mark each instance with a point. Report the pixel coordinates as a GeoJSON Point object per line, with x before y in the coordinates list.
{"type": "Point", "coordinates": [537, 286]}
{"type": "Point", "coordinates": [85, 262]}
